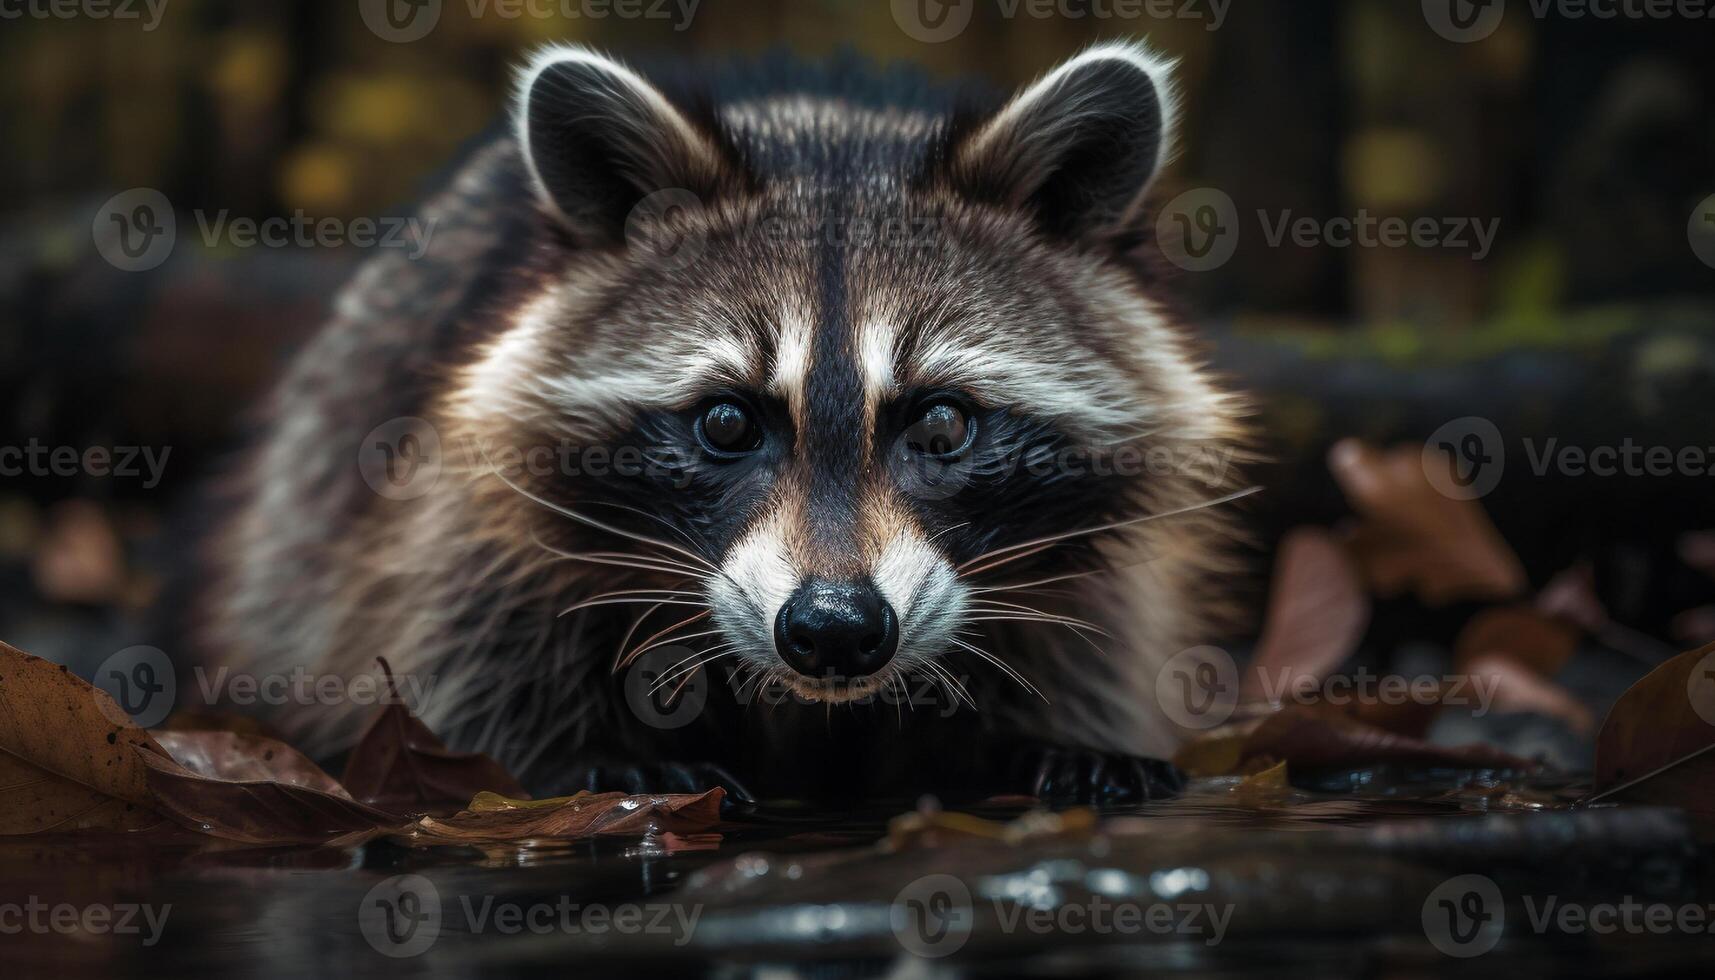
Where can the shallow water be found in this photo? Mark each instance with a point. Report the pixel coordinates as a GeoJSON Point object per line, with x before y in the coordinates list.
{"type": "Point", "coordinates": [1223, 880]}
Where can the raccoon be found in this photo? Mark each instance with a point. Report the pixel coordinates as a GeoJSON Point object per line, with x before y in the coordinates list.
{"type": "Point", "coordinates": [845, 396]}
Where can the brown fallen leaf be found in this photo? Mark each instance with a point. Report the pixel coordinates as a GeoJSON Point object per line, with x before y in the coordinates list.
{"type": "Point", "coordinates": [494, 819]}
{"type": "Point", "coordinates": [1313, 740]}
{"type": "Point", "coordinates": [242, 757]}
{"type": "Point", "coordinates": [1521, 633]}
{"type": "Point", "coordinates": [1412, 538]}
{"type": "Point", "coordinates": [250, 803]}
{"type": "Point", "coordinates": [1411, 716]}
{"type": "Point", "coordinates": [69, 756]}
{"type": "Point", "coordinates": [1317, 612]}
{"type": "Point", "coordinates": [216, 721]}
{"type": "Point", "coordinates": [1571, 597]}
{"type": "Point", "coordinates": [1520, 689]}
{"type": "Point", "coordinates": [1263, 789]}
{"type": "Point", "coordinates": [400, 765]}
{"type": "Point", "coordinates": [1658, 742]}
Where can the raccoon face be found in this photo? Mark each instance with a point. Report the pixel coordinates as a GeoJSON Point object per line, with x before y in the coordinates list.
{"type": "Point", "coordinates": [880, 366]}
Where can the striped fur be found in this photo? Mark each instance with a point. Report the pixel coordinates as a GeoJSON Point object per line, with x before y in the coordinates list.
{"type": "Point", "coordinates": [851, 256]}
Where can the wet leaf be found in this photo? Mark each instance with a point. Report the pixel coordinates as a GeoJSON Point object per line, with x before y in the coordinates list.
{"type": "Point", "coordinates": [494, 819]}
{"type": "Point", "coordinates": [1519, 689]}
{"type": "Point", "coordinates": [69, 756]}
{"type": "Point", "coordinates": [1571, 597]}
{"type": "Point", "coordinates": [243, 757]}
{"type": "Point", "coordinates": [1316, 740]}
{"type": "Point", "coordinates": [1520, 633]}
{"type": "Point", "coordinates": [1265, 788]}
{"type": "Point", "coordinates": [400, 765]}
{"type": "Point", "coordinates": [1411, 538]}
{"type": "Point", "coordinates": [1658, 742]}
{"type": "Point", "coordinates": [259, 810]}
{"type": "Point", "coordinates": [1317, 612]}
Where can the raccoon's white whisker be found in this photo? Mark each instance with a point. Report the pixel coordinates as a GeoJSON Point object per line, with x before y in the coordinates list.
{"type": "Point", "coordinates": [1016, 586]}
{"type": "Point", "coordinates": [685, 668]}
{"type": "Point", "coordinates": [1046, 620]}
{"type": "Point", "coordinates": [636, 624]}
{"type": "Point", "coordinates": [931, 538]}
{"type": "Point", "coordinates": [669, 640]}
{"type": "Point", "coordinates": [949, 682]}
{"type": "Point", "coordinates": [1111, 526]}
{"type": "Point", "coordinates": [623, 602]}
{"type": "Point", "coordinates": [1006, 560]}
{"type": "Point", "coordinates": [625, 658]}
{"type": "Point", "coordinates": [657, 518]}
{"type": "Point", "coordinates": [651, 558]}
{"type": "Point", "coordinates": [619, 560]}
{"type": "Point", "coordinates": [1024, 613]}
{"type": "Point", "coordinates": [693, 672]}
{"type": "Point", "coordinates": [662, 593]}
{"type": "Point", "coordinates": [602, 526]}
{"type": "Point", "coordinates": [1005, 667]}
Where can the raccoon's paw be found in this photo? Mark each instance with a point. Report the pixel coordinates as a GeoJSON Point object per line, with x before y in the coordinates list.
{"type": "Point", "coordinates": [657, 777]}
{"type": "Point", "coordinates": [1060, 776]}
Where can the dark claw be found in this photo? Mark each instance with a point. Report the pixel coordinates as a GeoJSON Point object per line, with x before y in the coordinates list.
{"type": "Point", "coordinates": [1084, 777]}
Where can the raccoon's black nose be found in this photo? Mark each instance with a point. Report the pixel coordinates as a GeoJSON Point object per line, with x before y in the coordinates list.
{"type": "Point", "coordinates": [836, 630]}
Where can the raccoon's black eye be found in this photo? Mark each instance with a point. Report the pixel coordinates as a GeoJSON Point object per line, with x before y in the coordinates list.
{"type": "Point", "coordinates": [942, 429]}
{"type": "Point", "coordinates": [726, 428]}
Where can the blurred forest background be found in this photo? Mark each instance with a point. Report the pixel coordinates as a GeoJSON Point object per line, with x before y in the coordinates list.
{"type": "Point", "coordinates": [1590, 141]}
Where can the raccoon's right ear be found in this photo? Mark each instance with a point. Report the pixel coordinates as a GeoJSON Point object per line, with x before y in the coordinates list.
{"type": "Point", "coordinates": [597, 139]}
{"type": "Point", "coordinates": [1080, 147]}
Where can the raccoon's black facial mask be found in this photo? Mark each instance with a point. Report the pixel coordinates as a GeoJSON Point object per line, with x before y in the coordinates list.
{"type": "Point", "coordinates": [862, 425]}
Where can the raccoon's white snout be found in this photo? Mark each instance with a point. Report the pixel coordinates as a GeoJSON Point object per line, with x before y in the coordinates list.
{"type": "Point", "coordinates": [835, 639]}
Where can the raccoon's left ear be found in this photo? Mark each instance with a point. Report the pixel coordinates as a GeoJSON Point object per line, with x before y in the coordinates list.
{"type": "Point", "coordinates": [598, 138]}
{"type": "Point", "coordinates": [1079, 147]}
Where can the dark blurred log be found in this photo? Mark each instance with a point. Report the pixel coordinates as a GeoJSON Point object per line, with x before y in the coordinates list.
{"type": "Point", "coordinates": [1639, 377]}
